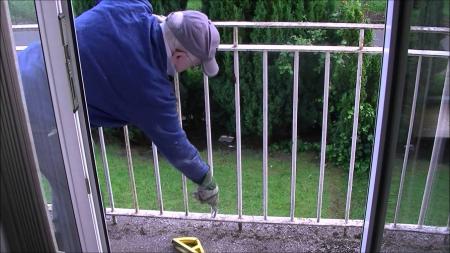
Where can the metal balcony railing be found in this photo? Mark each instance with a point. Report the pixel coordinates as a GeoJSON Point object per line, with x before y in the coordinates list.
{"type": "Point", "coordinates": [239, 217]}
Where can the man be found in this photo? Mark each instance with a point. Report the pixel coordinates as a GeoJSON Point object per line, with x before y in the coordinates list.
{"type": "Point", "coordinates": [126, 55]}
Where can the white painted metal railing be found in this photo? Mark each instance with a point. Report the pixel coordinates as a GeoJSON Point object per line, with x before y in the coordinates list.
{"type": "Point", "coordinates": [360, 50]}
{"type": "Point", "coordinates": [323, 145]}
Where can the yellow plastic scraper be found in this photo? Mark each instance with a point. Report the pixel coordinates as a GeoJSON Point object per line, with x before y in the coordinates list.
{"type": "Point", "coordinates": [188, 245]}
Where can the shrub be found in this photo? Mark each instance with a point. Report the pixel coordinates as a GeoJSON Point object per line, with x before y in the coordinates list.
{"type": "Point", "coordinates": [311, 73]}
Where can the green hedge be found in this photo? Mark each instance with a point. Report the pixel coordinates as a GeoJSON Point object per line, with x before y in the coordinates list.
{"type": "Point", "coordinates": [342, 82]}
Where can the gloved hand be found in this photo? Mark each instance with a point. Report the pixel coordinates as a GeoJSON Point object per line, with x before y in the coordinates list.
{"type": "Point", "coordinates": [208, 192]}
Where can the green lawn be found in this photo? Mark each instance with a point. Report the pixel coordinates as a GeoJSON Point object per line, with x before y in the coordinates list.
{"type": "Point", "coordinates": [194, 5]}
{"type": "Point", "coordinates": [377, 6]}
{"type": "Point", "coordinates": [414, 185]}
{"type": "Point", "coordinates": [335, 186]}
{"type": "Point", "coordinates": [22, 11]}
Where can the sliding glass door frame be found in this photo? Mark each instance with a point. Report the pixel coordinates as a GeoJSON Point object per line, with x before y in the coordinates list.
{"type": "Point", "coordinates": [392, 84]}
{"type": "Point", "coordinates": [56, 28]}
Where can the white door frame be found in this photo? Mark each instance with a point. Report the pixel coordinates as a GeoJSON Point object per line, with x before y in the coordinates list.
{"type": "Point", "coordinates": [61, 61]}
{"type": "Point", "coordinates": [392, 84]}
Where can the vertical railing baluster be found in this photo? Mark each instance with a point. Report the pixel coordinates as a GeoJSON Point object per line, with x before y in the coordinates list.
{"type": "Point", "coordinates": [437, 146]}
{"type": "Point", "coordinates": [408, 141]}
{"type": "Point", "coordinates": [157, 179]}
{"type": "Point", "coordinates": [237, 99]}
{"type": "Point", "coordinates": [183, 177]}
{"type": "Point", "coordinates": [265, 134]}
{"type": "Point", "coordinates": [324, 134]}
{"type": "Point", "coordinates": [106, 172]}
{"type": "Point", "coordinates": [130, 169]}
{"type": "Point", "coordinates": [355, 127]}
{"type": "Point", "coordinates": [294, 134]}
{"type": "Point", "coordinates": [422, 111]}
{"type": "Point", "coordinates": [208, 123]}
{"type": "Point", "coordinates": [448, 222]}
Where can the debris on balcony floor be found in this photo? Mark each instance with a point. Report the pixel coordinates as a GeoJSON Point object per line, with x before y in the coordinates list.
{"type": "Point", "coordinates": [142, 234]}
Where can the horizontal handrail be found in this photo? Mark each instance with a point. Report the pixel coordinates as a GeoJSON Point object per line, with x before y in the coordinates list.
{"type": "Point", "coordinates": [316, 25]}
{"type": "Point", "coordinates": [25, 27]}
{"type": "Point", "coordinates": [315, 49]}
{"type": "Point", "coordinates": [323, 25]}
{"type": "Point", "coordinates": [21, 48]}
{"type": "Point", "coordinates": [324, 49]}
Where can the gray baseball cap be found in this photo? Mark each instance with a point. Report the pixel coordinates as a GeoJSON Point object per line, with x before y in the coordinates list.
{"type": "Point", "coordinates": [198, 35]}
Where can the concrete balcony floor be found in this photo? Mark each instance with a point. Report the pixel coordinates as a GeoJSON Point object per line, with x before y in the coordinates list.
{"type": "Point", "coordinates": [140, 234]}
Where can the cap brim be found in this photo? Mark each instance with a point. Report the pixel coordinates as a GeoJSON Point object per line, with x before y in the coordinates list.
{"type": "Point", "coordinates": [210, 67]}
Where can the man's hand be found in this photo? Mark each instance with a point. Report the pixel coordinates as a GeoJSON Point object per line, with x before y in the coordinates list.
{"type": "Point", "coordinates": [208, 192]}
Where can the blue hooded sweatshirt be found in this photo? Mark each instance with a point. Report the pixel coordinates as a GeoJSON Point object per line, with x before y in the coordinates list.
{"type": "Point", "coordinates": [124, 65]}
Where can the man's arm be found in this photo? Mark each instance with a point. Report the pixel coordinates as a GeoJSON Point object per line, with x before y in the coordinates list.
{"type": "Point", "coordinates": [157, 117]}
{"type": "Point", "coordinates": [159, 121]}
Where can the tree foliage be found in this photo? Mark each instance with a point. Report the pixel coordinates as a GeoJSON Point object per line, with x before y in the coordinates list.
{"type": "Point", "coordinates": [161, 7]}
{"type": "Point", "coordinates": [80, 6]}
{"type": "Point", "coordinates": [164, 7]}
{"type": "Point", "coordinates": [311, 73]}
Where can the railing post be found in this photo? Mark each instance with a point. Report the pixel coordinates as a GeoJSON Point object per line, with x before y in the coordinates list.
{"type": "Point", "coordinates": [208, 122]}
{"type": "Point", "coordinates": [408, 141]}
{"type": "Point", "coordinates": [106, 172]}
{"type": "Point", "coordinates": [324, 134]}
{"type": "Point", "coordinates": [157, 179]}
{"type": "Point", "coordinates": [361, 39]}
{"type": "Point", "coordinates": [448, 222]}
{"type": "Point", "coordinates": [265, 135]}
{"type": "Point", "coordinates": [422, 110]}
{"type": "Point", "coordinates": [183, 177]}
{"type": "Point", "coordinates": [130, 169]}
{"type": "Point", "coordinates": [437, 146]}
{"type": "Point", "coordinates": [237, 100]}
{"type": "Point", "coordinates": [355, 127]}
{"type": "Point", "coordinates": [294, 134]}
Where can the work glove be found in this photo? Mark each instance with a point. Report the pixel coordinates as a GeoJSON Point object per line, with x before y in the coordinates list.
{"type": "Point", "coordinates": [208, 192]}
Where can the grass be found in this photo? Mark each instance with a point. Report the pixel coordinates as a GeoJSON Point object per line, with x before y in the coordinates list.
{"type": "Point", "coordinates": [375, 10]}
{"type": "Point", "coordinates": [377, 6]}
{"type": "Point", "coordinates": [415, 180]}
{"type": "Point", "coordinates": [22, 11]}
{"type": "Point", "coordinates": [194, 5]}
{"type": "Point", "coordinates": [334, 195]}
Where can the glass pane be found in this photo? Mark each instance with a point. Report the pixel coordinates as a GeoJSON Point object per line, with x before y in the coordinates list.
{"type": "Point", "coordinates": [419, 192]}
{"type": "Point", "coordinates": [43, 124]}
